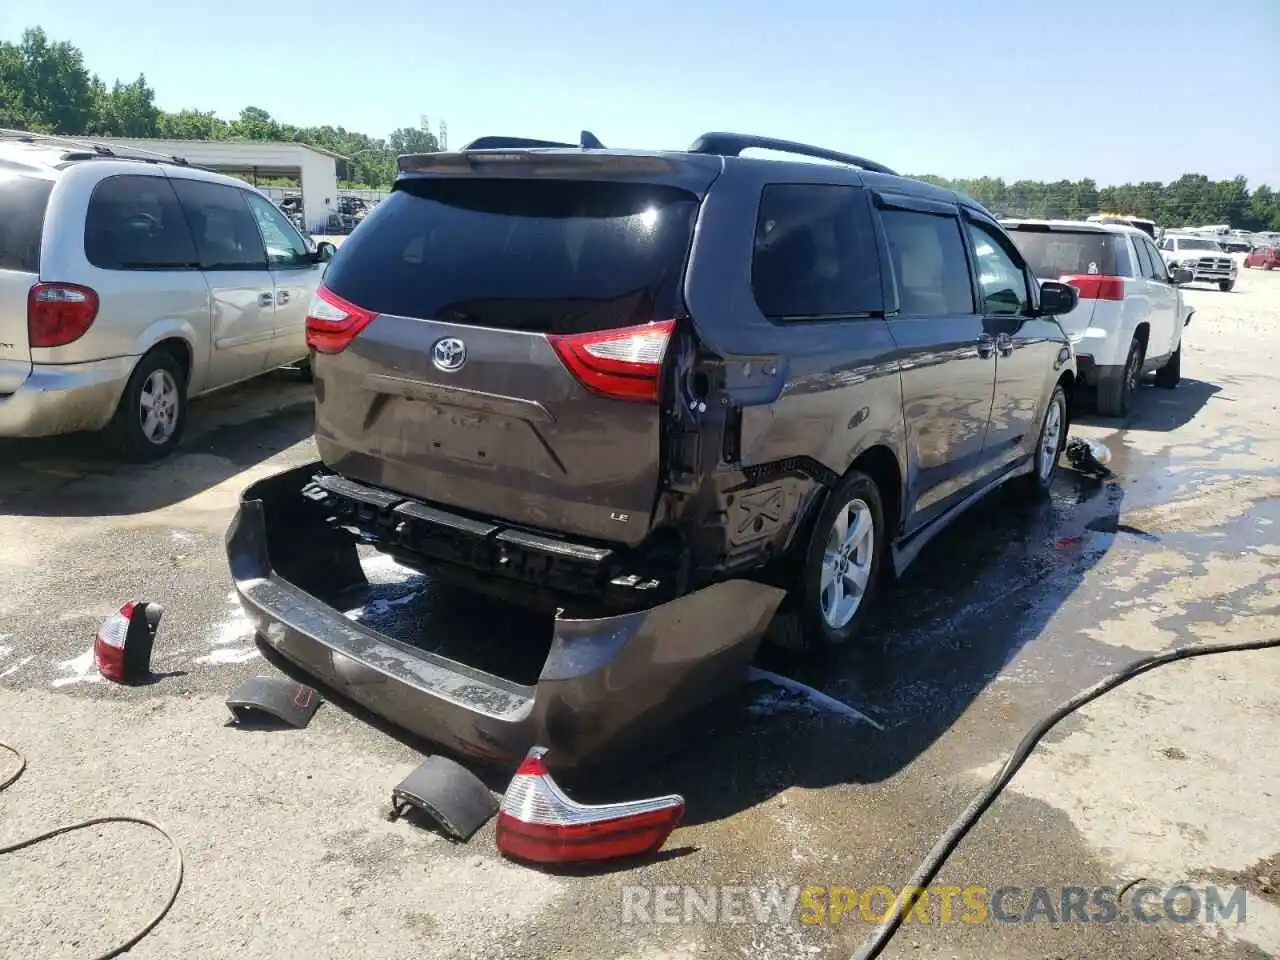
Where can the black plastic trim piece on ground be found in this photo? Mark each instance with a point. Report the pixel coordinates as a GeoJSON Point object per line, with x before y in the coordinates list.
{"type": "Point", "coordinates": [448, 793]}
{"type": "Point", "coordinates": [287, 700]}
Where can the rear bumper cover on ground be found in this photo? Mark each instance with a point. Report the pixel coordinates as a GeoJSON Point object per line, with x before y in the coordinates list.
{"type": "Point", "coordinates": [607, 682]}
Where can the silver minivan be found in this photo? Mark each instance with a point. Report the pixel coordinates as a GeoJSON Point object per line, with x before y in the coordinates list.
{"type": "Point", "coordinates": [129, 286]}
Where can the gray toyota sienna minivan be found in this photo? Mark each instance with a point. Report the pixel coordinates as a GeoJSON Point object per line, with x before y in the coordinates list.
{"type": "Point", "coordinates": [605, 382]}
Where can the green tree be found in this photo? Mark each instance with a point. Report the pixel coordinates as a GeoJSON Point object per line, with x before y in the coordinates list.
{"type": "Point", "coordinates": [45, 85]}
{"type": "Point", "coordinates": [126, 110]}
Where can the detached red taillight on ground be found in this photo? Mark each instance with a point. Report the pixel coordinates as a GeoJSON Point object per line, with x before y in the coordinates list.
{"type": "Point", "coordinates": [624, 364]}
{"type": "Point", "coordinates": [122, 646]}
{"type": "Point", "coordinates": [1095, 286]}
{"type": "Point", "coordinates": [332, 322]}
{"type": "Point", "coordinates": [537, 823]}
{"type": "Point", "coordinates": [59, 313]}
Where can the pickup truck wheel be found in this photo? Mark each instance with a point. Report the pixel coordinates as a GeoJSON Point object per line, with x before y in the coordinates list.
{"type": "Point", "coordinates": [149, 420]}
{"type": "Point", "coordinates": [1167, 377]}
{"type": "Point", "coordinates": [1226, 286]}
{"type": "Point", "coordinates": [842, 566]}
{"type": "Point", "coordinates": [1116, 392]}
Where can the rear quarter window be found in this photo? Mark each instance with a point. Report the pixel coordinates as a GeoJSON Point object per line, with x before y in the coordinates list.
{"type": "Point", "coordinates": [815, 253]}
{"type": "Point", "coordinates": [136, 223]}
{"type": "Point", "coordinates": [543, 256]}
{"type": "Point", "coordinates": [1064, 253]}
{"type": "Point", "coordinates": [23, 201]}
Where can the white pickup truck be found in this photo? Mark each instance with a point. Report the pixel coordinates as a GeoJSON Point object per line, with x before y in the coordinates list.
{"type": "Point", "coordinates": [1131, 314]}
{"type": "Point", "coordinates": [1207, 260]}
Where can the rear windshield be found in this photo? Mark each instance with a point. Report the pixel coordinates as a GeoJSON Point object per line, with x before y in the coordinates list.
{"type": "Point", "coordinates": [1060, 253]}
{"type": "Point", "coordinates": [545, 256]}
{"type": "Point", "coordinates": [22, 204]}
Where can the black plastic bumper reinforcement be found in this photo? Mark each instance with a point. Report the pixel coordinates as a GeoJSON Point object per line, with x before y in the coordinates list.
{"type": "Point", "coordinates": [608, 682]}
{"type": "Point", "coordinates": [420, 532]}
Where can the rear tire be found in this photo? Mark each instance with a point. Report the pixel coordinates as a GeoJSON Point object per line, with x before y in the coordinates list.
{"type": "Point", "coordinates": [1168, 376]}
{"type": "Point", "coordinates": [1050, 443]}
{"type": "Point", "coordinates": [1226, 286]}
{"type": "Point", "coordinates": [306, 371]}
{"type": "Point", "coordinates": [842, 568]}
{"type": "Point", "coordinates": [152, 413]}
{"type": "Point", "coordinates": [1115, 394]}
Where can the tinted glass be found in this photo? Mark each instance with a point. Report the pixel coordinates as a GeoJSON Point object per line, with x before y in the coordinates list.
{"type": "Point", "coordinates": [1000, 278]}
{"type": "Point", "coordinates": [815, 253]}
{"type": "Point", "coordinates": [1065, 253]}
{"type": "Point", "coordinates": [929, 262]}
{"type": "Point", "coordinates": [547, 256]}
{"type": "Point", "coordinates": [22, 204]}
{"type": "Point", "coordinates": [1145, 269]}
{"type": "Point", "coordinates": [1195, 243]}
{"type": "Point", "coordinates": [1158, 269]}
{"type": "Point", "coordinates": [135, 223]}
{"type": "Point", "coordinates": [285, 248]}
{"type": "Point", "coordinates": [226, 233]}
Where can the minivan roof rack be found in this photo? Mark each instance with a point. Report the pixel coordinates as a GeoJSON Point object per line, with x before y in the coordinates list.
{"type": "Point", "coordinates": [732, 145]}
{"type": "Point", "coordinates": [586, 141]}
{"type": "Point", "coordinates": [84, 149]}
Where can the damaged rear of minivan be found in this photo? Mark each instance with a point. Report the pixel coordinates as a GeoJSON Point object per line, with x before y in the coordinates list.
{"type": "Point", "coordinates": [503, 358]}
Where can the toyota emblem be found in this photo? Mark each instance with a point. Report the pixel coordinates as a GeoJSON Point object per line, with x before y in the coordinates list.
{"type": "Point", "coordinates": [449, 354]}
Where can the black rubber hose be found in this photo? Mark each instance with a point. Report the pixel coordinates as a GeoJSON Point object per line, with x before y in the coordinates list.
{"type": "Point", "coordinates": [947, 843]}
{"type": "Point", "coordinates": [175, 887]}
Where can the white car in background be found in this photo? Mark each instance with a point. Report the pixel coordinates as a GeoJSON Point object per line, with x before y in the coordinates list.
{"type": "Point", "coordinates": [1131, 314]}
{"type": "Point", "coordinates": [128, 286]}
{"type": "Point", "coordinates": [1207, 259]}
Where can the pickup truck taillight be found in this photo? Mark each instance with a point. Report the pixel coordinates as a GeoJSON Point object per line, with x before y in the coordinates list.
{"type": "Point", "coordinates": [1094, 286]}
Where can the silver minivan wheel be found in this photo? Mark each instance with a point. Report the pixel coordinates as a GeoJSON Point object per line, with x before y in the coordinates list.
{"type": "Point", "coordinates": [846, 563]}
{"type": "Point", "coordinates": [158, 407]}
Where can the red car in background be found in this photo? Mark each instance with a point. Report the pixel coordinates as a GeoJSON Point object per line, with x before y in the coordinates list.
{"type": "Point", "coordinates": [1264, 257]}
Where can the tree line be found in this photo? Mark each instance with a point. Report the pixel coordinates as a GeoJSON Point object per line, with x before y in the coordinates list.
{"type": "Point", "coordinates": [45, 87]}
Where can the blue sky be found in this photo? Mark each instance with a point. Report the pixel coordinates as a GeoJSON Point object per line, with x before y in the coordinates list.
{"type": "Point", "coordinates": [1120, 91]}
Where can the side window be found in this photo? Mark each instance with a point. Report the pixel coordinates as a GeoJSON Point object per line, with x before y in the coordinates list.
{"type": "Point", "coordinates": [929, 262]}
{"type": "Point", "coordinates": [135, 223]}
{"type": "Point", "coordinates": [1144, 258]}
{"type": "Point", "coordinates": [23, 200]}
{"type": "Point", "coordinates": [815, 253]}
{"type": "Point", "coordinates": [1000, 277]}
{"type": "Point", "coordinates": [1158, 269]}
{"type": "Point", "coordinates": [226, 233]}
{"type": "Point", "coordinates": [285, 248]}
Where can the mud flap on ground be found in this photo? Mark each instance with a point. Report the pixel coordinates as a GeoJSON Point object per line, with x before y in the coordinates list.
{"type": "Point", "coordinates": [450, 794]}
{"type": "Point", "coordinates": [260, 699]}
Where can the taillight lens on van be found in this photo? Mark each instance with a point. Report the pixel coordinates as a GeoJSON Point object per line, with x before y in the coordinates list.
{"type": "Point", "coordinates": [59, 313]}
{"type": "Point", "coordinates": [332, 323]}
{"type": "Point", "coordinates": [1095, 286]}
{"type": "Point", "coordinates": [624, 364]}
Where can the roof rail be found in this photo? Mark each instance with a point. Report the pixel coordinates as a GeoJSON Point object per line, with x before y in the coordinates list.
{"type": "Point", "coordinates": [586, 141]}
{"type": "Point", "coordinates": [732, 145]}
{"type": "Point", "coordinates": [91, 147]}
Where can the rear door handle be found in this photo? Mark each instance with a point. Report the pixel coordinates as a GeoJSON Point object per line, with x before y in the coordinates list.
{"type": "Point", "coordinates": [1004, 343]}
{"type": "Point", "coordinates": [266, 299]}
{"type": "Point", "coordinates": [282, 297]}
{"type": "Point", "coordinates": [986, 346]}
